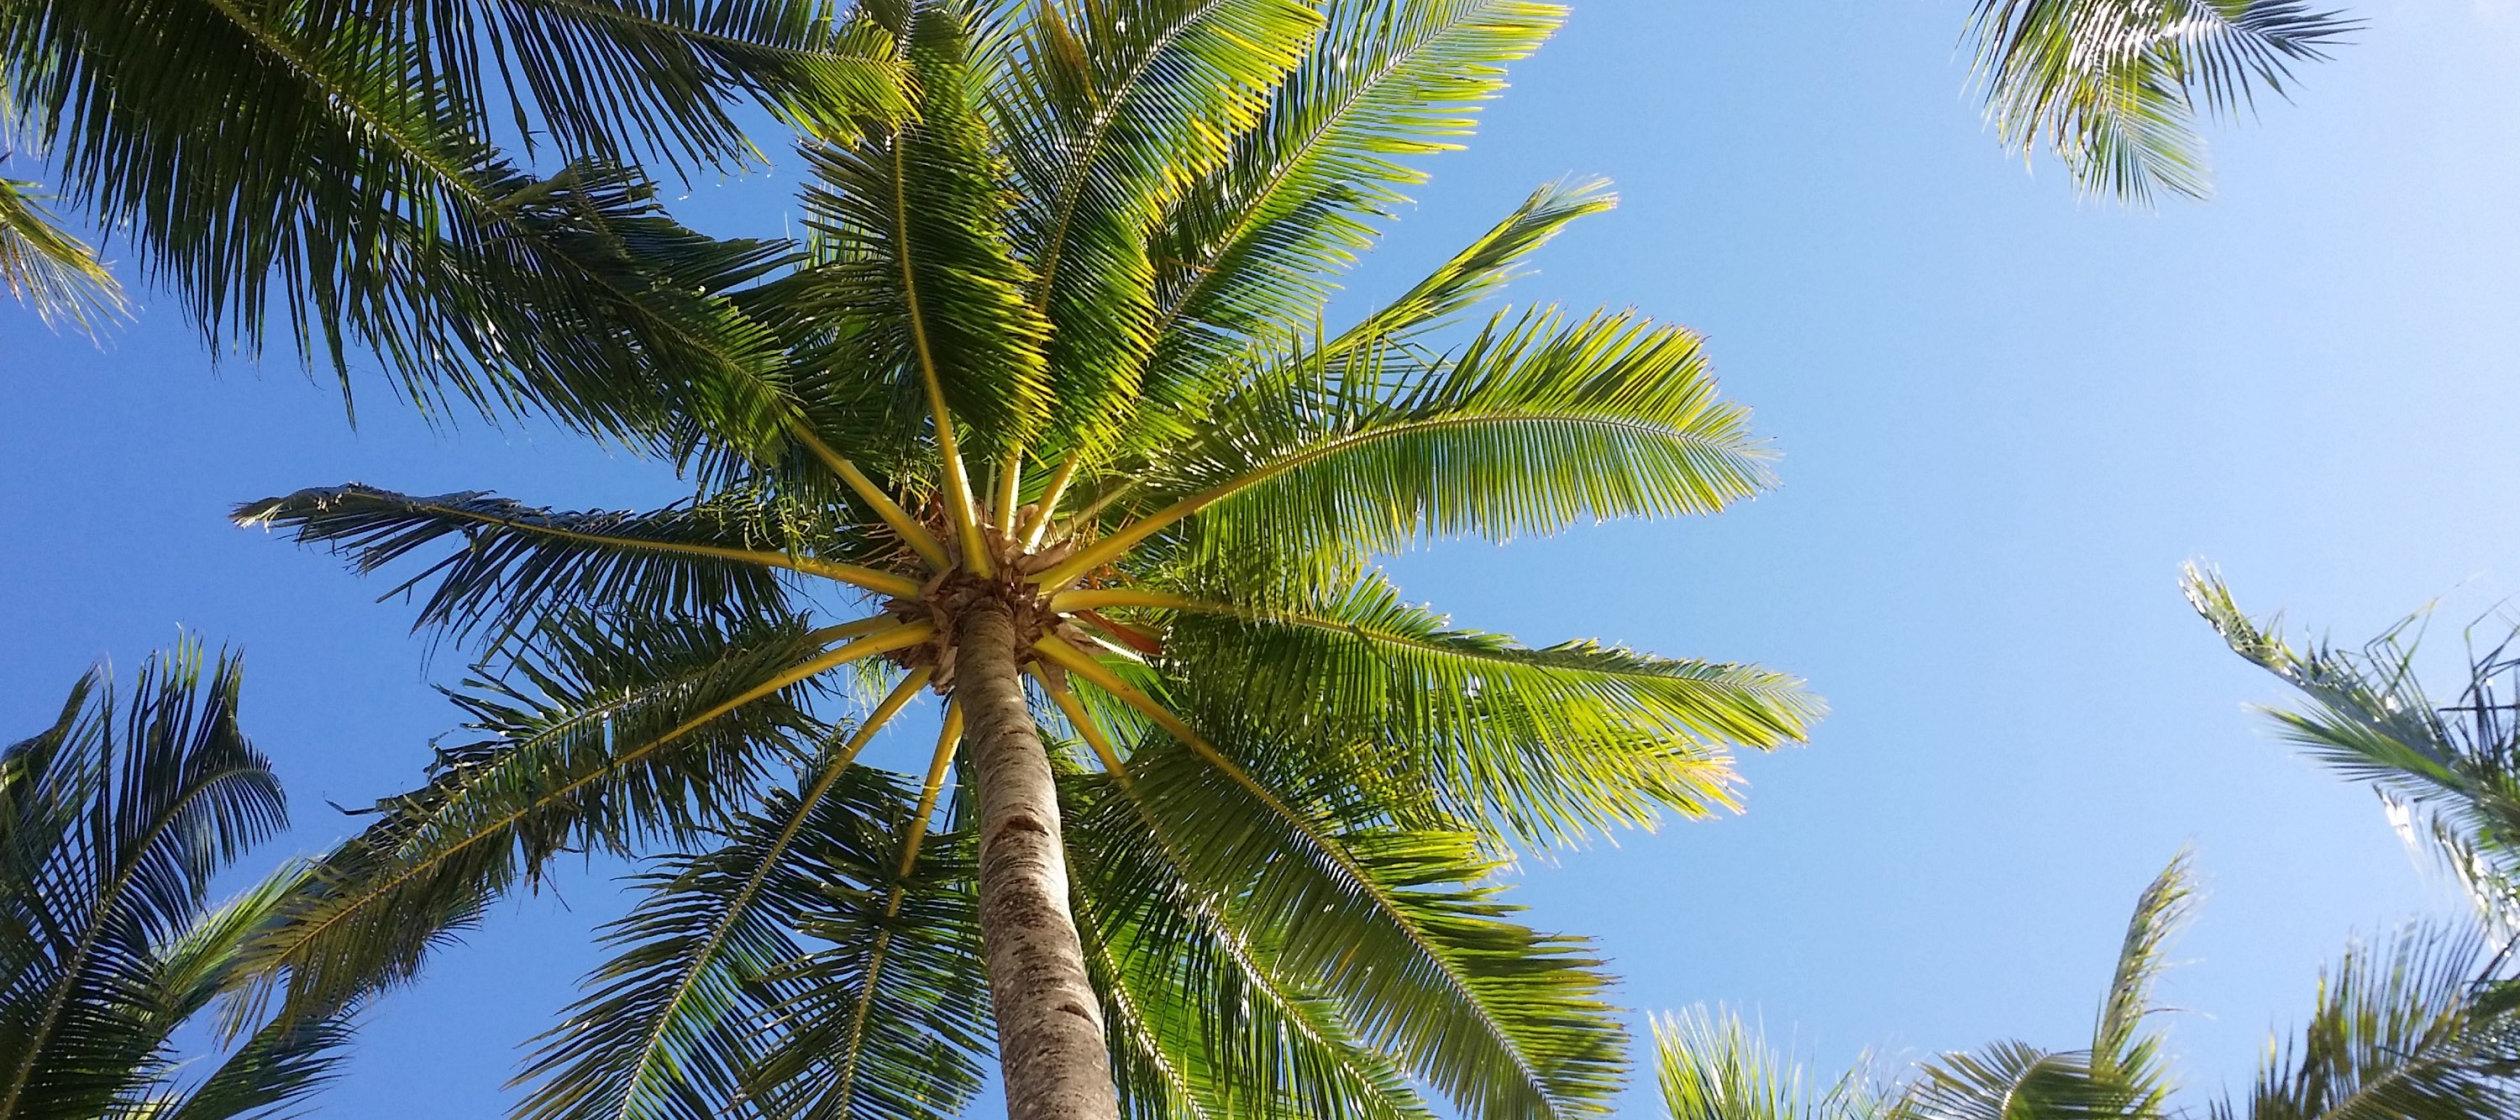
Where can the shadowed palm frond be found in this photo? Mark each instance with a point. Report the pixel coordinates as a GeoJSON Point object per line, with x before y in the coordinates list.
{"type": "Point", "coordinates": [888, 1018]}
{"type": "Point", "coordinates": [2114, 87]}
{"type": "Point", "coordinates": [915, 265]}
{"type": "Point", "coordinates": [331, 158]}
{"type": "Point", "coordinates": [1206, 1019]}
{"type": "Point", "coordinates": [273, 1064]}
{"type": "Point", "coordinates": [514, 564]}
{"type": "Point", "coordinates": [112, 823]}
{"type": "Point", "coordinates": [581, 745]}
{"type": "Point", "coordinates": [1403, 933]}
{"type": "Point", "coordinates": [713, 986]}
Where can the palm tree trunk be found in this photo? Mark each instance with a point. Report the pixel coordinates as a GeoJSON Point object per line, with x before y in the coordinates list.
{"type": "Point", "coordinates": [1049, 1023]}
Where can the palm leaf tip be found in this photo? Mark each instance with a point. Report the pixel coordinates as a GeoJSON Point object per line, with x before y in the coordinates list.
{"type": "Point", "coordinates": [1711, 1065]}
{"type": "Point", "coordinates": [50, 270]}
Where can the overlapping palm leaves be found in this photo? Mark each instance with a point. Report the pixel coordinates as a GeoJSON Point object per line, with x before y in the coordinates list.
{"type": "Point", "coordinates": [336, 159]}
{"type": "Point", "coordinates": [112, 822]}
{"type": "Point", "coordinates": [2425, 1026]}
{"type": "Point", "coordinates": [1057, 344]}
{"type": "Point", "coordinates": [2114, 88]}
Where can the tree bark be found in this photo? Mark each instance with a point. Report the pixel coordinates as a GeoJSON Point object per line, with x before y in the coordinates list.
{"type": "Point", "coordinates": [1049, 1023]}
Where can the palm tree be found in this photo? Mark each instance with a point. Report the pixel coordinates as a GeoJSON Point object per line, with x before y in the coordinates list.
{"type": "Point", "coordinates": [337, 157]}
{"type": "Point", "coordinates": [2448, 773]}
{"type": "Point", "coordinates": [2426, 1027]}
{"type": "Point", "coordinates": [2114, 87]}
{"type": "Point", "coordinates": [1215, 812]}
{"type": "Point", "coordinates": [112, 822]}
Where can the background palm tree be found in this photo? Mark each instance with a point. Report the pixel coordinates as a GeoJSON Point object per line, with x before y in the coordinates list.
{"type": "Point", "coordinates": [112, 823]}
{"type": "Point", "coordinates": [1051, 388]}
{"type": "Point", "coordinates": [2114, 88]}
{"type": "Point", "coordinates": [2424, 1027]}
{"type": "Point", "coordinates": [338, 157]}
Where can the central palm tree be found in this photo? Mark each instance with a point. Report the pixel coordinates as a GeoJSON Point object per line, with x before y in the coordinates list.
{"type": "Point", "coordinates": [1051, 394]}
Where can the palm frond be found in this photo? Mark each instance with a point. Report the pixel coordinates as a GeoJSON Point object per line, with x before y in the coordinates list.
{"type": "Point", "coordinates": [276, 1064]}
{"type": "Point", "coordinates": [584, 744]}
{"type": "Point", "coordinates": [1249, 251]}
{"type": "Point", "coordinates": [1535, 425]}
{"type": "Point", "coordinates": [118, 818]}
{"type": "Point", "coordinates": [2008, 1081]}
{"type": "Point", "coordinates": [1114, 108]}
{"type": "Point", "coordinates": [890, 1017]}
{"type": "Point", "coordinates": [2124, 1053]}
{"type": "Point", "coordinates": [2114, 87]}
{"type": "Point", "coordinates": [48, 269]}
{"type": "Point", "coordinates": [1536, 744]}
{"type": "Point", "coordinates": [332, 158]}
{"type": "Point", "coordinates": [925, 295]}
{"type": "Point", "coordinates": [514, 564]}
{"type": "Point", "coordinates": [660, 79]}
{"type": "Point", "coordinates": [1404, 932]}
{"type": "Point", "coordinates": [673, 1022]}
{"type": "Point", "coordinates": [1482, 268]}
{"type": "Point", "coordinates": [1206, 1020]}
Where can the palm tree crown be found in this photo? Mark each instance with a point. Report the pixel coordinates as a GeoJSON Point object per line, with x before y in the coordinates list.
{"type": "Point", "coordinates": [1050, 389]}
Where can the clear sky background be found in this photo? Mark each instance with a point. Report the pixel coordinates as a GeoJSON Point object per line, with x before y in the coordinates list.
{"type": "Point", "coordinates": [2007, 416]}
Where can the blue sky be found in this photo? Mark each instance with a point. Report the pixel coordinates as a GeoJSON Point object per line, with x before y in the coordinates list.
{"type": "Point", "coordinates": [2007, 416]}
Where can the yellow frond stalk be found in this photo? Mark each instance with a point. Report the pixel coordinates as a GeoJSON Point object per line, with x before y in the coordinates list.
{"type": "Point", "coordinates": [1082, 664]}
{"type": "Point", "coordinates": [1039, 525]}
{"type": "Point", "coordinates": [1086, 728]}
{"type": "Point", "coordinates": [900, 637]}
{"type": "Point", "coordinates": [947, 737]}
{"type": "Point", "coordinates": [1098, 598]}
{"type": "Point", "coordinates": [1010, 485]}
{"type": "Point", "coordinates": [903, 525]}
{"type": "Point", "coordinates": [891, 706]}
{"type": "Point", "coordinates": [872, 624]}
